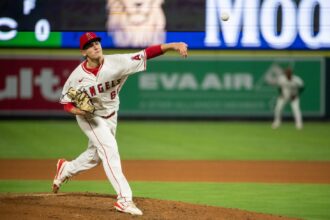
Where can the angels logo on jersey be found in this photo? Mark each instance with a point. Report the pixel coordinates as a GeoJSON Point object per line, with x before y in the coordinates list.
{"type": "Point", "coordinates": [102, 87]}
{"type": "Point", "coordinates": [136, 57]}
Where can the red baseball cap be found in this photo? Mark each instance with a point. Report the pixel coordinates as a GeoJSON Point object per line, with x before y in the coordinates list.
{"type": "Point", "coordinates": [88, 37]}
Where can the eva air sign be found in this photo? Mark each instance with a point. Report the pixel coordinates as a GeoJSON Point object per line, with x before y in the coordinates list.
{"type": "Point", "coordinates": [278, 24]}
{"type": "Point", "coordinates": [201, 86]}
{"type": "Point", "coordinates": [188, 81]}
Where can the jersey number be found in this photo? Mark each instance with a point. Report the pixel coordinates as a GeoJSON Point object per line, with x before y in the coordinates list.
{"type": "Point", "coordinates": [113, 95]}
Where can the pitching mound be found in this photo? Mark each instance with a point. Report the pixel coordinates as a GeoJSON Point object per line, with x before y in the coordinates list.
{"type": "Point", "coordinates": [96, 206]}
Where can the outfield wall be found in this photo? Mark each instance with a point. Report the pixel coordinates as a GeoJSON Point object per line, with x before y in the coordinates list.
{"type": "Point", "coordinates": [207, 84]}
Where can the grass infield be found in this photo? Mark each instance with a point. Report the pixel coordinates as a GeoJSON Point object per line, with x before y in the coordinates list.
{"type": "Point", "coordinates": [171, 140]}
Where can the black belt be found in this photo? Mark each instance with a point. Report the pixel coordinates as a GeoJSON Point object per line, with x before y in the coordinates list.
{"type": "Point", "coordinates": [109, 116]}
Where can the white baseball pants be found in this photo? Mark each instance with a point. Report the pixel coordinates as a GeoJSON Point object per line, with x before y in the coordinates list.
{"type": "Point", "coordinates": [295, 106]}
{"type": "Point", "coordinates": [102, 147]}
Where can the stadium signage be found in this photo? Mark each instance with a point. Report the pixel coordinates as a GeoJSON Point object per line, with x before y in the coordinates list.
{"type": "Point", "coordinates": [254, 21]}
{"type": "Point", "coordinates": [189, 81]}
{"type": "Point", "coordinates": [22, 85]}
{"type": "Point", "coordinates": [33, 84]}
{"type": "Point", "coordinates": [41, 29]}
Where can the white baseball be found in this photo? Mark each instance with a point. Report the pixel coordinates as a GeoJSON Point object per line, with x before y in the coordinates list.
{"type": "Point", "coordinates": [224, 16]}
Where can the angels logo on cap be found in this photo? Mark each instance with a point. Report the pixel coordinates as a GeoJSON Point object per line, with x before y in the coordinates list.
{"type": "Point", "coordinates": [87, 38]}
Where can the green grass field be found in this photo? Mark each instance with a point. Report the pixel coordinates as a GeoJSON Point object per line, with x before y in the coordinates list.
{"type": "Point", "coordinates": [171, 140]}
{"type": "Point", "coordinates": [186, 141]}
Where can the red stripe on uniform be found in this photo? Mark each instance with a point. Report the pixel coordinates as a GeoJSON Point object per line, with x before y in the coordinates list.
{"type": "Point", "coordinates": [106, 159]}
{"type": "Point", "coordinates": [59, 167]}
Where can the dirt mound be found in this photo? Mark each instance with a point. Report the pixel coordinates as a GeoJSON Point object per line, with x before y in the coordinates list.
{"type": "Point", "coordinates": [96, 206]}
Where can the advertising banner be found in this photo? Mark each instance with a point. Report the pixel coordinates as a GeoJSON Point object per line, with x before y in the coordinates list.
{"type": "Point", "coordinates": [213, 86]}
{"type": "Point", "coordinates": [199, 86]}
{"type": "Point", "coordinates": [32, 86]}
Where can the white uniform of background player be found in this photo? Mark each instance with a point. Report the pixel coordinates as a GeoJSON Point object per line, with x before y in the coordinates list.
{"type": "Point", "coordinates": [290, 87]}
{"type": "Point", "coordinates": [103, 87]}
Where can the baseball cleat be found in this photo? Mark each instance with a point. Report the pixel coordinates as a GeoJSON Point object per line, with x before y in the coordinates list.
{"type": "Point", "coordinates": [128, 207]}
{"type": "Point", "coordinates": [57, 179]}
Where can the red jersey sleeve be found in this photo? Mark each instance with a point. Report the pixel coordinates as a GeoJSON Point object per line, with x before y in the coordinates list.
{"type": "Point", "coordinates": [153, 51]}
{"type": "Point", "coordinates": [68, 107]}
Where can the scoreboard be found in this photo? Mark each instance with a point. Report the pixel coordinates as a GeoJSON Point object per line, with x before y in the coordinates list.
{"type": "Point", "coordinates": [253, 24]}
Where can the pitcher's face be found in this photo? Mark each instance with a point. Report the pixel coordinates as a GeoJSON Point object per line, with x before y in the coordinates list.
{"type": "Point", "coordinates": [93, 50]}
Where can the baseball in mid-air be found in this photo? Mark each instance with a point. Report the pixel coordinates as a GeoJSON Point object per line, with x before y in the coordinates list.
{"type": "Point", "coordinates": [224, 16]}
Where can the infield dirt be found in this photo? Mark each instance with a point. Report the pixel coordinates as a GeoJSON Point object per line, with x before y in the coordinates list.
{"type": "Point", "coordinates": [183, 171]}
{"type": "Point", "coordinates": [97, 206]}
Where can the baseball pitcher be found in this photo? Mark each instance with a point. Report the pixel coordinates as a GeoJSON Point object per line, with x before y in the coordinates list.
{"type": "Point", "coordinates": [91, 93]}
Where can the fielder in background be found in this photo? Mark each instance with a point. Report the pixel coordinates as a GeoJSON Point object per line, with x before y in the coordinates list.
{"type": "Point", "coordinates": [290, 87]}
{"type": "Point", "coordinates": [99, 78]}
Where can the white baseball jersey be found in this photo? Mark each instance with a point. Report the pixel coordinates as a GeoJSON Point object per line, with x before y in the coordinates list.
{"type": "Point", "coordinates": [289, 87]}
{"type": "Point", "coordinates": [105, 86]}
{"type": "Point", "coordinates": [101, 128]}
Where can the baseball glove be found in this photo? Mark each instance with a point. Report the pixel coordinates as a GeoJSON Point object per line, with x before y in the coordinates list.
{"type": "Point", "coordinates": [81, 100]}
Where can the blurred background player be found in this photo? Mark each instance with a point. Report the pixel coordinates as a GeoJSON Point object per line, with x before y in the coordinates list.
{"type": "Point", "coordinates": [102, 77]}
{"type": "Point", "coordinates": [290, 87]}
